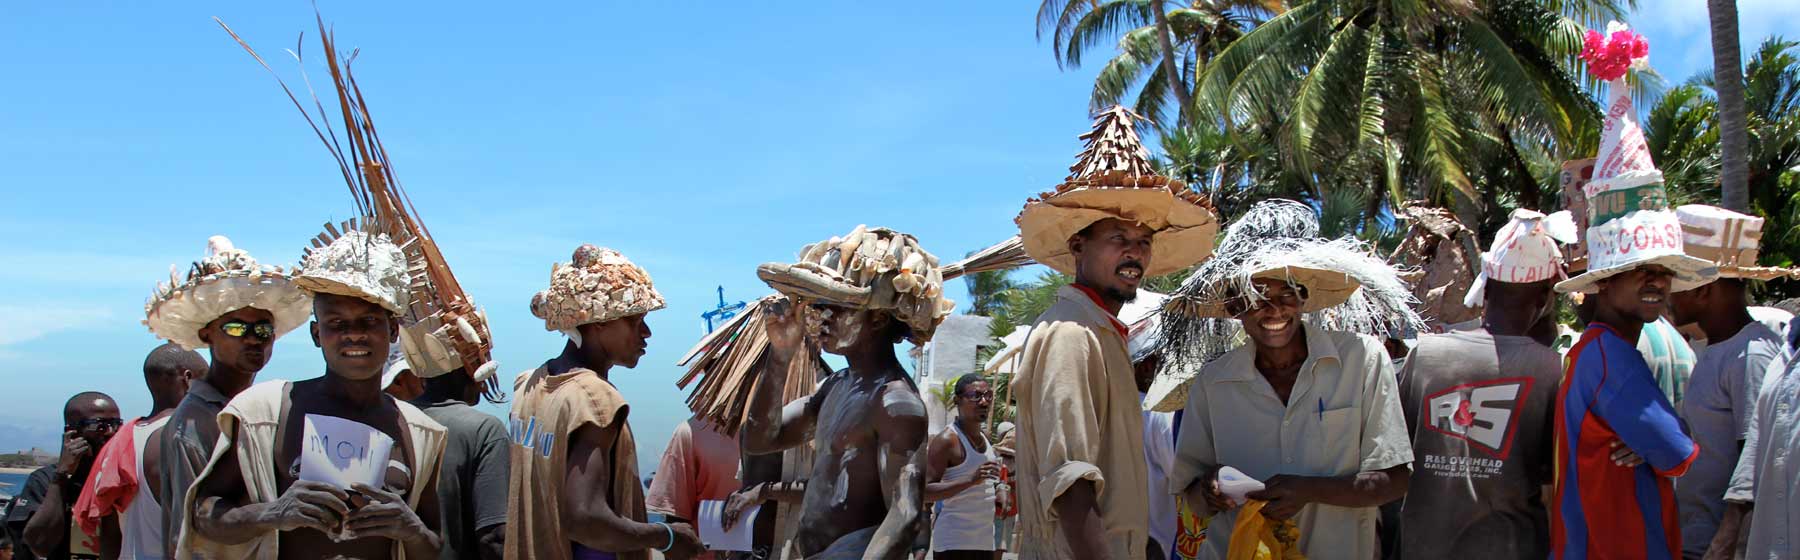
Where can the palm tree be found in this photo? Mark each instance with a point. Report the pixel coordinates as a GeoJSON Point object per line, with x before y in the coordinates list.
{"type": "Point", "coordinates": [1159, 47]}
{"type": "Point", "coordinates": [988, 291]}
{"type": "Point", "coordinates": [1729, 84]}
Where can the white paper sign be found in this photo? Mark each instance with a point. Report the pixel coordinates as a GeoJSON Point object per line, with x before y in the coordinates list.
{"type": "Point", "coordinates": [712, 530]}
{"type": "Point", "coordinates": [342, 452]}
{"type": "Point", "coordinates": [1237, 486]}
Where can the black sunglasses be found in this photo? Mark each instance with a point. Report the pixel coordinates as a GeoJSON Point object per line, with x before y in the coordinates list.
{"type": "Point", "coordinates": [99, 424]}
{"type": "Point", "coordinates": [978, 396]}
{"type": "Point", "coordinates": [238, 329]}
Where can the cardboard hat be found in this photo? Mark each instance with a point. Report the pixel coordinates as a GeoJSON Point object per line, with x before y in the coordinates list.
{"type": "Point", "coordinates": [1629, 221]}
{"type": "Point", "coordinates": [357, 264]}
{"type": "Point", "coordinates": [596, 286]}
{"type": "Point", "coordinates": [1727, 239]}
{"type": "Point", "coordinates": [226, 280]}
{"type": "Point", "coordinates": [870, 268]}
{"type": "Point", "coordinates": [1113, 178]}
{"type": "Point", "coordinates": [1524, 251]}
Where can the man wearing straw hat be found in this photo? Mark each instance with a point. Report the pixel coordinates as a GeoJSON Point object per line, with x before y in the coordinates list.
{"type": "Point", "coordinates": [855, 296]}
{"type": "Point", "coordinates": [1113, 222]}
{"type": "Point", "coordinates": [1721, 394]}
{"type": "Point", "coordinates": [1635, 260]}
{"type": "Point", "coordinates": [1480, 405]}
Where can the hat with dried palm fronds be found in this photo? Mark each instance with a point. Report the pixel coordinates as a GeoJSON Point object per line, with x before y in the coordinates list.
{"type": "Point", "coordinates": [1113, 178]}
{"type": "Point", "coordinates": [870, 268]}
{"type": "Point", "coordinates": [228, 279]}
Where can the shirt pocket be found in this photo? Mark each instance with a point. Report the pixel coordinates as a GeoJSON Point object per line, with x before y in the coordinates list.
{"type": "Point", "coordinates": [1340, 431]}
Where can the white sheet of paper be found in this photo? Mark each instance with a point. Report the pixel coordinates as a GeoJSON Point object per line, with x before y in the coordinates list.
{"type": "Point", "coordinates": [713, 533]}
{"type": "Point", "coordinates": [341, 452]}
{"type": "Point", "coordinates": [1236, 485]}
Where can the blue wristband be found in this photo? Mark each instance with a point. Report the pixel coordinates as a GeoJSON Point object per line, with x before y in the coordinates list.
{"type": "Point", "coordinates": [671, 531]}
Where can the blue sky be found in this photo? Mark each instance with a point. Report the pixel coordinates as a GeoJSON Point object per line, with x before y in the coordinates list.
{"type": "Point", "coordinates": [700, 139]}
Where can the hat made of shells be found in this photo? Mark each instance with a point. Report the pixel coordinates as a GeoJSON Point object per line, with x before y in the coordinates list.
{"type": "Point", "coordinates": [362, 265]}
{"type": "Point", "coordinates": [228, 279]}
{"type": "Point", "coordinates": [870, 268]}
{"type": "Point", "coordinates": [598, 285]}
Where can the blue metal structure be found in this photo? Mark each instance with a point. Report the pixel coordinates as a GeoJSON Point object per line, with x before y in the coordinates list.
{"type": "Point", "coordinates": [722, 313]}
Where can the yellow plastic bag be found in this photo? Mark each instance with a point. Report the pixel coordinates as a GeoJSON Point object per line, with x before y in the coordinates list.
{"type": "Point", "coordinates": [1259, 538]}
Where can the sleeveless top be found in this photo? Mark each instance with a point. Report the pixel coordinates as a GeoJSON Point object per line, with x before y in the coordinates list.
{"type": "Point", "coordinates": [141, 524]}
{"type": "Point", "coordinates": [966, 521]}
{"type": "Point", "coordinates": [548, 409]}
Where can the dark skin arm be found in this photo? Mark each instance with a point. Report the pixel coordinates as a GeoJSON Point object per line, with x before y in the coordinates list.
{"type": "Point", "coordinates": [220, 514]}
{"type": "Point", "coordinates": [110, 539]}
{"type": "Point", "coordinates": [743, 499]}
{"type": "Point", "coordinates": [945, 450]}
{"type": "Point", "coordinates": [1725, 542]}
{"type": "Point", "coordinates": [1286, 494]}
{"type": "Point", "coordinates": [770, 427]}
{"type": "Point", "coordinates": [591, 520]}
{"type": "Point", "coordinates": [900, 440]}
{"type": "Point", "coordinates": [49, 526]}
{"type": "Point", "coordinates": [491, 542]}
{"type": "Point", "coordinates": [1078, 509]}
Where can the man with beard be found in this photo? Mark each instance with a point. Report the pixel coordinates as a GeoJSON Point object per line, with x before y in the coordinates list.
{"type": "Point", "coordinates": [236, 309]}
{"type": "Point", "coordinates": [960, 472]}
{"type": "Point", "coordinates": [574, 491]}
{"type": "Point", "coordinates": [43, 509]}
{"type": "Point", "coordinates": [856, 297]}
{"type": "Point", "coordinates": [251, 501]}
{"type": "Point", "coordinates": [1110, 224]}
{"type": "Point", "coordinates": [120, 504]}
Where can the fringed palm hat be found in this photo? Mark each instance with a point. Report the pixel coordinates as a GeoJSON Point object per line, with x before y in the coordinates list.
{"type": "Point", "coordinates": [388, 256]}
{"type": "Point", "coordinates": [1113, 178]}
{"type": "Point", "coordinates": [596, 286]}
{"type": "Point", "coordinates": [1629, 223]}
{"type": "Point", "coordinates": [228, 279]}
{"type": "Point", "coordinates": [1347, 289]}
{"type": "Point", "coordinates": [871, 268]}
{"type": "Point", "coordinates": [1727, 239]}
{"type": "Point", "coordinates": [1525, 250]}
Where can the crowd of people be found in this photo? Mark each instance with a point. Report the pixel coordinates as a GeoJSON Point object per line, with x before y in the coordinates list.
{"type": "Point", "coordinates": [1282, 403]}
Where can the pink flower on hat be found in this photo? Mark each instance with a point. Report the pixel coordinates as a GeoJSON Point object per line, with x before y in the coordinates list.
{"type": "Point", "coordinates": [1609, 54]}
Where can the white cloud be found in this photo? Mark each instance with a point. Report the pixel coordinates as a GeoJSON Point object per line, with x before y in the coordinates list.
{"type": "Point", "coordinates": [29, 321]}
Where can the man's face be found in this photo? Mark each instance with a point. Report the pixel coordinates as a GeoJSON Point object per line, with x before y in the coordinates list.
{"type": "Point", "coordinates": [96, 419]}
{"type": "Point", "coordinates": [1687, 307]}
{"type": "Point", "coordinates": [838, 329]}
{"type": "Point", "coordinates": [406, 386]}
{"type": "Point", "coordinates": [1112, 257]}
{"type": "Point", "coordinates": [975, 400]}
{"type": "Point", "coordinates": [354, 335]}
{"type": "Point", "coordinates": [1273, 319]}
{"type": "Point", "coordinates": [624, 339]}
{"type": "Point", "coordinates": [236, 339]}
{"type": "Point", "coordinates": [1640, 294]}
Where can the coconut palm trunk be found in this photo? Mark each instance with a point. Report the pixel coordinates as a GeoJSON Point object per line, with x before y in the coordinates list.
{"type": "Point", "coordinates": [1176, 83]}
{"type": "Point", "coordinates": [1728, 79]}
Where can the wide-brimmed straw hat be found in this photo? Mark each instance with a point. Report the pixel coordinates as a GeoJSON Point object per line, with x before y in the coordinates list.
{"type": "Point", "coordinates": [228, 279]}
{"type": "Point", "coordinates": [1113, 178]}
{"type": "Point", "coordinates": [596, 286]}
{"type": "Point", "coordinates": [870, 268]}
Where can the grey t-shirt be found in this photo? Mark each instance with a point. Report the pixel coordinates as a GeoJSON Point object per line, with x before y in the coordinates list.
{"type": "Point", "coordinates": [1481, 409]}
{"type": "Point", "coordinates": [187, 446]}
{"type": "Point", "coordinates": [1717, 410]}
{"type": "Point", "coordinates": [472, 478]}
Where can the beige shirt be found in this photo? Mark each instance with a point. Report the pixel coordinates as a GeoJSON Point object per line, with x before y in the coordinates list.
{"type": "Point", "coordinates": [1342, 417]}
{"type": "Point", "coordinates": [251, 422]}
{"type": "Point", "coordinates": [547, 410]}
{"type": "Point", "coordinates": [1079, 419]}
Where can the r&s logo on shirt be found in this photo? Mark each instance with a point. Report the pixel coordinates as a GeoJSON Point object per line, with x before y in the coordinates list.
{"type": "Point", "coordinates": [1480, 413]}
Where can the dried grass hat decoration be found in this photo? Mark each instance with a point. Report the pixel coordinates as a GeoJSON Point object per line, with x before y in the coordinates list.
{"type": "Point", "coordinates": [226, 280]}
{"type": "Point", "coordinates": [870, 268]}
{"type": "Point", "coordinates": [596, 286]}
{"type": "Point", "coordinates": [1113, 178]}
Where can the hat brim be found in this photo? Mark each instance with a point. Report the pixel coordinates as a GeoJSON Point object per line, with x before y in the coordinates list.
{"type": "Point", "coordinates": [325, 285]}
{"type": "Point", "coordinates": [180, 317]}
{"type": "Point", "coordinates": [1184, 231]}
{"type": "Point", "coordinates": [1325, 289]}
{"type": "Point", "coordinates": [1690, 273]}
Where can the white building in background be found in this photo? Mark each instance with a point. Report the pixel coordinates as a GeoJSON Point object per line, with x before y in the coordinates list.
{"type": "Point", "coordinates": [949, 355]}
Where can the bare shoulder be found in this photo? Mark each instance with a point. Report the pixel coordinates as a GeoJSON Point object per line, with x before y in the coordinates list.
{"type": "Point", "coordinates": [900, 399]}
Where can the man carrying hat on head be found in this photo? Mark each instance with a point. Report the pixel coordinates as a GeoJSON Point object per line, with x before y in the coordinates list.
{"type": "Point", "coordinates": [1602, 509]}
{"type": "Point", "coordinates": [1313, 414]}
{"type": "Point", "coordinates": [1082, 476]}
{"type": "Point", "coordinates": [258, 499]}
{"type": "Point", "coordinates": [235, 309]}
{"type": "Point", "coordinates": [1480, 405]}
{"type": "Point", "coordinates": [574, 492]}
{"type": "Point", "coordinates": [857, 297]}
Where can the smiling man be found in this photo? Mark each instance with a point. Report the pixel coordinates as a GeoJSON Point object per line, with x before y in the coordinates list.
{"type": "Point", "coordinates": [251, 501]}
{"type": "Point", "coordinates": [1082, 475]}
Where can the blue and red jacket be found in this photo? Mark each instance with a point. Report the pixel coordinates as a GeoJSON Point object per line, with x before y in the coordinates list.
{"type": "Point", "coordinates": [1604, 510]}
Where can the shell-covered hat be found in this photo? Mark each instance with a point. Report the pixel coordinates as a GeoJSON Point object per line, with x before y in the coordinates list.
{"type": "Point", "coordinates": [597, 285]}
{"type": "Point", "coordinates": [228, 279]}
{"type": "Point", "coordinates": [870, 268]}
{"type": "Point", "coordinates": [1113, 178]}
{"type": "Point", "coordinates": [357, 264]}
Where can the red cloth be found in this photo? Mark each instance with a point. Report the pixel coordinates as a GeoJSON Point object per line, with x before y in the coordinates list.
{"type": "Point", "coordinates": [112, 483]}
{"type": "Point", "coordinates": [1093, 295]}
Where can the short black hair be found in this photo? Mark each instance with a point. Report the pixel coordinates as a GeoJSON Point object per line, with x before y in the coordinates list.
{"type": "Point", "coordinates": [964, 381]}
{"type": "Point", "coordinates": [170, 359]}
{"type": "Point", "coordinates": [84, 396]}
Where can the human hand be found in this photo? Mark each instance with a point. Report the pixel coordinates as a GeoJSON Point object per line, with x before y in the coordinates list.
{"type": "Point", "coordinates": [386, 515]}
{"type": "Point", "coordinates": [686, 544]}
{"type": "Point", "coordinates": [785, 327]}
{"type": "Point", "coordinates": [314, 505]}
{"type": "Point", "coordinates": [74, 449]}
{"type": "Point", "coordinates": [1205, 490]}
{"type": "Point", "coordinates": [1623, 456]}
{"type": "Point", "coordinates": [989, 471]}
{"type": "Point", "coordinates": [1285, 495]}
{"type": "Point", "coordinates": [739, 502]}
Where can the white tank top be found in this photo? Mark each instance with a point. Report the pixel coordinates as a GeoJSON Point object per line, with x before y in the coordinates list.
{"type": "Point", "coordinates": [141, 524]}
{"type": "Point", "coordinates": [966, 521]}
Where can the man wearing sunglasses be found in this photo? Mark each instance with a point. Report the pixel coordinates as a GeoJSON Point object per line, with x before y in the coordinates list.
{"type": "Point", "coordinates": [121, 503]}
{"type": "Point", "coordinates": [960, 473]}
{"type": "Point", "coordinates": [89, 420]}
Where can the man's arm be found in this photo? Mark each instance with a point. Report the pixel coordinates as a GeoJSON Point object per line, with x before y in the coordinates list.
{"type": "Point", "coordinates": [1070, 376]}
{"type": "Point", "coordinates": [1635, 408]}
{"type": "Point", "coordinates": [588, 517]}
{"type": "Point", "coordinates": [220, 514]}
{"type": "Point", "coordinates": [900, 454]}
{"type": "Point", "coordinates": [938, 457]}
{"type": "Point", "coordinates": [49, 526]}
{"type": "Point", "coordinates": [1286, 494]}
{"type": "Point", "coordinates": [184, 454]}
{"type": "Point", "coordinates": [769, 426]}
{"type": "Point", "coordinates": [491, 471]}
{"type": "Point", "coordinates": [110, 539]}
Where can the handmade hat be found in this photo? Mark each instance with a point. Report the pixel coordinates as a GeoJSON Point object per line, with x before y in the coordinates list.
{"type": "Point", "coordinates": [1524, 251]}
{"type": "Point", "coordinates": [871, 268]}
{"type": "Point", "coordinates": [1143, 325]}
{"type": "Point", "coordinates": [1727, 239]}
{"type": "Point", "coordinates": [1113, 178]}
{"type": "Point", "coordinates": [357, 264]}
{"type": "Point", "coordinates": [596, 286]}
{"type": "Point", "coordinates": [1629, 221]}
{"type": "Point", "coordinates": [228, 279]}
{"type": "Point", "coordinates": [396, 363]}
